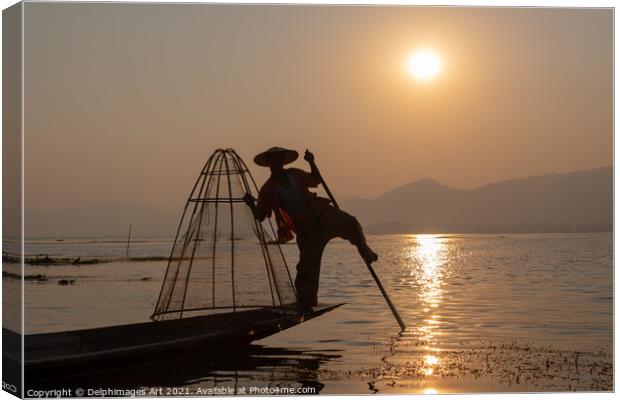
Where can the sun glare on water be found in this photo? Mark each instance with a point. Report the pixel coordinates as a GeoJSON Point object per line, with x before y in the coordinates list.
{"type": "Point", "coordinates": [424, 65]}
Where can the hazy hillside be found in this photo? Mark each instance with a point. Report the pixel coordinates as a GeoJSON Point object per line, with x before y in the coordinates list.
{"type": "Point", "coordinates": [577, 201]}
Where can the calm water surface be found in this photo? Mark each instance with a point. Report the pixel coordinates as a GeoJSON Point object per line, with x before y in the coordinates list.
{"type": "Point", "coordinates": [530, 312]}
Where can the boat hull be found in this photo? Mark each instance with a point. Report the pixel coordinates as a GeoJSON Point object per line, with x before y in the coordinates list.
{"type": "Point", "coordinates": [62, 353]}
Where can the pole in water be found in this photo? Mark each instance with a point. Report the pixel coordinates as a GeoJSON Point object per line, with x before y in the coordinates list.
{"type": "Point", "coordinates": [128, 240]}
{"type": "Point", "coordinates": [372, 271]}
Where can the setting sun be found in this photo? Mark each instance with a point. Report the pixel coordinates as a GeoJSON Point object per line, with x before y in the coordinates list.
{"type": "Point", "coordinates": [424, 65]}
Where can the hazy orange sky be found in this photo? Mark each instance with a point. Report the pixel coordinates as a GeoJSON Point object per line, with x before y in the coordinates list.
{"type": "Point", "coordinates": [124, 103]}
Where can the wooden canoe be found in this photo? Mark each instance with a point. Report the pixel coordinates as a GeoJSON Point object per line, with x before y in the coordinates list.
{"type": "Point", "coordinates": [63, 353]}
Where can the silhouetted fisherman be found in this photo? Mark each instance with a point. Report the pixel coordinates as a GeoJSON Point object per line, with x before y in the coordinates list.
{"type": "Point", "coordinates": [315, 222]}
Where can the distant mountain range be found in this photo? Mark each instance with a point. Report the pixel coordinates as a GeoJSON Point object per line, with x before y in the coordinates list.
{"type": "Point", "coordinates": [570, 202]}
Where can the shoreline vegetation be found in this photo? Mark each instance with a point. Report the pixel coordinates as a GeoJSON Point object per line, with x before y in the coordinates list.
{"type": "Point", "coordinates": [46, 260]}
{"type": "Point", "coordinates": [45, 278]}
{"type": "Point", "coordinates": [381, 229]}
{"type": "Point", "coordinates": [374, 230]}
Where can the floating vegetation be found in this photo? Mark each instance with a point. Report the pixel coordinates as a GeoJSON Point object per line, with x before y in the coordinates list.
{"type": "Point", "coordinates": [37, 277]}
{"type": "Point", "coordinates": [152, 258]}
{"type": "Point", "coordinates": [47, 260]}
{"type": "Point", "coordinates": [10, 258]}
{"type": "Point", "coordinates": [517, 367]}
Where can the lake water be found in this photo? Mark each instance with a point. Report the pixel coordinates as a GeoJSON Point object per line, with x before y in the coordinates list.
{"type": "Point", "coordinates": [500, 313]}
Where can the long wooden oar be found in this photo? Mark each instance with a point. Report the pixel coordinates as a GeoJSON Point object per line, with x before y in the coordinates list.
{"type": "Point", "coordinates": [372, 271]}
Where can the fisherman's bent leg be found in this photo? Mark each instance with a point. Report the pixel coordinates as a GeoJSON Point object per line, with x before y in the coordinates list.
{"type": "Point", "coordinates": [341, 224]}
{"type": "Point", "coordinates": [309, 268]}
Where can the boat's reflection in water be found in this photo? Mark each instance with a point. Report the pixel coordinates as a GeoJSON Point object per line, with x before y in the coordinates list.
{"type": "Point", "coordinates": [239, 370]}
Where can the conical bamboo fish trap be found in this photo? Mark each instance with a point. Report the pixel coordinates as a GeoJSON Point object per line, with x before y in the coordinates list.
{"type": "Point", "coordinates": [223, 260]}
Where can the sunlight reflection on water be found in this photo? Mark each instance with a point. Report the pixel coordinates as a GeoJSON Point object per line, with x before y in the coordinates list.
{"type": "Point", "coordinates": [427, 256]}
{"type": "Point", "coordinates": [467, 300]}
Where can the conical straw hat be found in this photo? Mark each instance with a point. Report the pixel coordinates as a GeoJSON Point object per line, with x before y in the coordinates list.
{"type": "Point", "coordinates": [265, 158]}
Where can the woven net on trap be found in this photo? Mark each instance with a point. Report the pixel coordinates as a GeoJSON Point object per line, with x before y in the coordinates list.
{"type": "Point", "coordinates": [223, 260]}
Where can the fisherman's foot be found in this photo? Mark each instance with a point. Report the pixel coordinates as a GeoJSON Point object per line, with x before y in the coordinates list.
{"type": "Point", "coordinates": [304, 308]}
{"type": "Point", "coordinates": [369, 255]}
